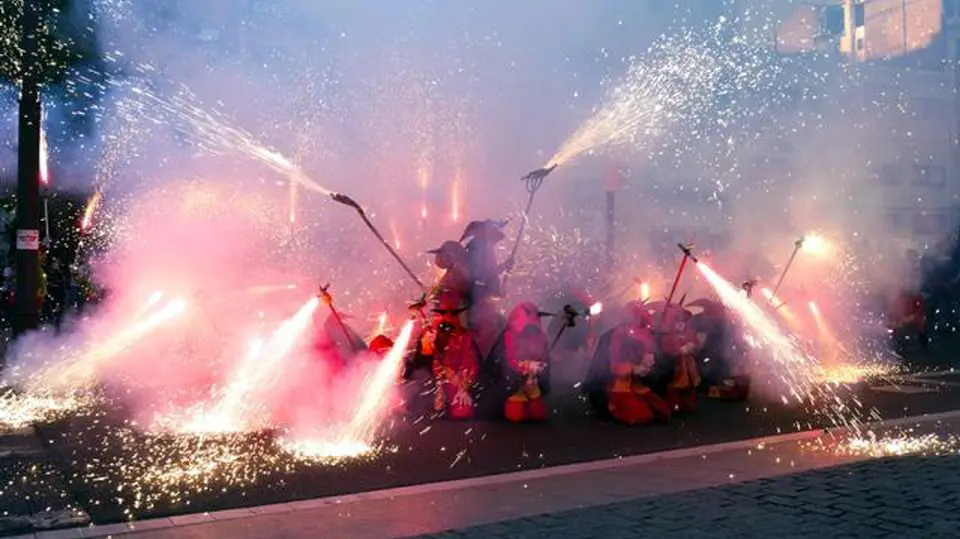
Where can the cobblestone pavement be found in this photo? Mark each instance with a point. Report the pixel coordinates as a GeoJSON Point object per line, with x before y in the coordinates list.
{"type": "Point", "coordinates": [901, 497]}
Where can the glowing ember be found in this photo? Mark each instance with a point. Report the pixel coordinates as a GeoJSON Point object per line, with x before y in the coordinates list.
{"type": "Point", "coordinates": [596, 309]}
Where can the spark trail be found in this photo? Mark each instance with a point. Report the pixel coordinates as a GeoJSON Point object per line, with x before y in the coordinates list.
{"type": "Point", "coordinates": [233, 411]}
{"type": "Point", "coordinates": [672, 84]}
{"type": "Point", "coordinates": [356, 437]}
{"type": "Point", "coordinates": [800, 373]}
{"type": "Point", "coordinates": [216, 134]}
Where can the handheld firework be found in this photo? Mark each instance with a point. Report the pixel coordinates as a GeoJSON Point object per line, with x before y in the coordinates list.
{"type": "Point", "coordinates": [687, 250]}
{"type": "Point", "coordinates": [749, 285]}
{"type": "Point", "coordinates": [347, 201]}
{"type": "Point", "coordinates": [570, 316]}
{"type": "Point", "coordinates": [797, 245]}
{"type": "Point", "coordinates": [533, 182]}
{"type": "Point", "coordinates": [327, 299]}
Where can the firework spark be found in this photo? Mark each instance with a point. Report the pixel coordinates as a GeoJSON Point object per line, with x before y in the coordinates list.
{"type": "Point", "coordinates": [672, 83]}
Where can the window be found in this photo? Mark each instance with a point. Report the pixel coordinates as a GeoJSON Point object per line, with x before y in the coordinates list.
{"type": "Point", "coordinates": [859, 44]}
{"type": "Point", "coordinates": [889, 175]}
{"type": "Point", "coordinates": [859, 14]}
{"type": "Point", "coordinates": [831, 21]}
{"type": "Point", "coordinates": [929, 175]}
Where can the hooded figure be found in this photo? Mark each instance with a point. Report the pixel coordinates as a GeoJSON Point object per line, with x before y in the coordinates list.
{"type": "Point", "coordinates": [677, 344]}
{"type": "Point", "coordinates": [481, 239]}
{"type": "Point", "coordinates": [616, 382]}
{"type": "Point", "coordinates": [722, 354]}
{"type": "Point", "coordinates": [456, 280]}
{"type": "Point", "coordinates": [456, 360]}
{"type": "Point", "coordinates": [519, 365]}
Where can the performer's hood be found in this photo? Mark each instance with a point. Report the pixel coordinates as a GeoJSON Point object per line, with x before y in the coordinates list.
{"type": "Point", "coordinates": [380, 345]}
{"type": "Point", "coordinates": [448, 302]}
{"type": "Point", "coordinates": [636, 314]}
{"type": "Point", "coordinates": [486, 230]}
{"type": "Point", "coordinates": [523, 315]}
{"type": "Point", "coordinates": [449, 248]}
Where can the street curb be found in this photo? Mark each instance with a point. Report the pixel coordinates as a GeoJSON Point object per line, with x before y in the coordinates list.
{"type": "Point", "coordinates": [459, 484]}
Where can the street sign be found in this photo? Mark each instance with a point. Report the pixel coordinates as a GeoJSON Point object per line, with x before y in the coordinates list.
{"type": "Point", "coordinates": [28, 240]}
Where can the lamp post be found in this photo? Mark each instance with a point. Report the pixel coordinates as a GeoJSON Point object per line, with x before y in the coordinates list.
{"type": "Point", "coordinates": [27, 306]}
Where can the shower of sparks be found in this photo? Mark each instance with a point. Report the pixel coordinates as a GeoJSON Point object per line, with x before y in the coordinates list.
{"type": "Point", "coordinates": [797, 370]}
{"type": "Point", "coordinates": [899, 444]}
{"type": "Point", "coordinates": [80, 370]}
{"type": "Point", "coordinates": [853, 373]}
{"type": "Point", "coordinates": [356, 437]}
{"type": "Point", "coordinates": [236, 409]}
{"type": "Point", "coordinates": [216, 134]}
{"type": "Point", "coordinates": [672, 83]}
{"type": "Point", "coordinates": [142, 471]}
{"type": "Point", "coordinates": [18, 411]}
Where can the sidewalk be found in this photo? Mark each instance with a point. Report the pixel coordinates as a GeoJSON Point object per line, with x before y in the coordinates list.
{"type": "Point", "coordinates": [741, 489]}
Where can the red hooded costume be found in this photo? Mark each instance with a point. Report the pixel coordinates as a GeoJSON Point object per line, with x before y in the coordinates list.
{"type": "Point", "coordinates": [615, 384]}
{"type": "Point", "coordinates": [677, 342]}
{"type": "Point", "coordinates": [523, 354]}
{"type": "Point", "coordinates": [456, 360]}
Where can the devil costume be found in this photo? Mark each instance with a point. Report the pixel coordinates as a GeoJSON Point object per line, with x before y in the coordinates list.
{"type": "Point", "coordinates": [519, 366]}
{"type": "Point", "coordinates": [677, 343]}
{"type": "Point", "coordinates": [617, 384]}
{"type": "Point", "coordinates": [456, 360]}
{"type": "Point", "coordinates": [481, 239]}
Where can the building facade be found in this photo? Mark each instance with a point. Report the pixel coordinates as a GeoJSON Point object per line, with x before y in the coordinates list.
{"type": "Point", "coordinates": [902, 58]}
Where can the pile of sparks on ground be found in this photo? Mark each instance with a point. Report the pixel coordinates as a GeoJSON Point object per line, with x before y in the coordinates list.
{"type": "Point", "coordinates": [888, 443]}
{"type": "Point", "coordinates": [21, 410]}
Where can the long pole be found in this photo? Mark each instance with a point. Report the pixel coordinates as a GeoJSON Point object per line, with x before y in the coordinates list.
{"type": "Point", "coordinates": [783, 274]}
{"type": "Point", "coordinates": [27, 306]}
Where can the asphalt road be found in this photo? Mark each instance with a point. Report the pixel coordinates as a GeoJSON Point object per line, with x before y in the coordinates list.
{"type": "Point", "coordinates": [115, 474]}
